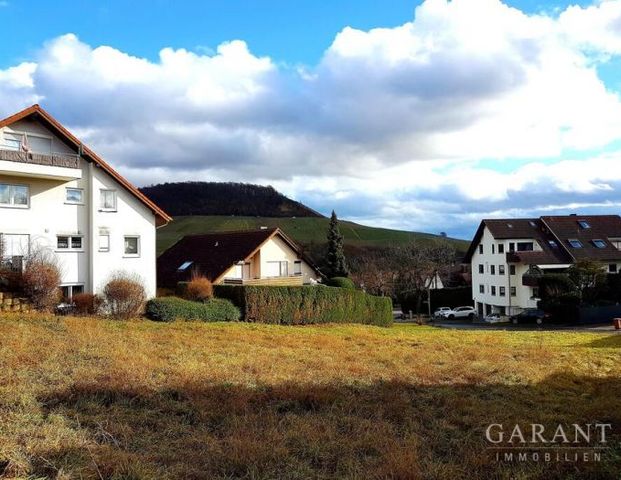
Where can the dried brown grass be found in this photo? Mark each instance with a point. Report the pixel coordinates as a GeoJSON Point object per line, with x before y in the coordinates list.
{"type": "Point", "coordinates": [88, 398]}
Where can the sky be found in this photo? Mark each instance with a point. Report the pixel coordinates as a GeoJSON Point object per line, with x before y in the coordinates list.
{"type": "Point", "coordinates": [421, 116]}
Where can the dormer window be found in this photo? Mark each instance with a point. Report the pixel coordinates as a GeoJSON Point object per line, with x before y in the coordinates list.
{"type": "Point", "coordinates": [584, 224]}
{"type": "Point", "coordinates": [575, 243]}
{"type": "Point", "coordinates": [599, 243]}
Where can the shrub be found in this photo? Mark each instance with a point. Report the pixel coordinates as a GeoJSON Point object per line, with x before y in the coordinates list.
{"type": "Point", "coordinates": [86, 303]}
{"type": "Point", "coordinates": [199, 289]}
{"type": "Point", "coordinates": [124, 295]}
{"type": "Point", "coordinates": [307, 305]}
{"type": "Point", "coordinates": [41, 280]}
{"type": "Point", "coordinates": [168, 309]}
{"type": "Point", "coordinates": [342, 282]}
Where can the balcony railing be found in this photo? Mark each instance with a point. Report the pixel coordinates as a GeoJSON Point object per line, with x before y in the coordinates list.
{"type": "Point", "coordinates": [290, 281]}
{"type": "Point", "coordinates": [50, 160]}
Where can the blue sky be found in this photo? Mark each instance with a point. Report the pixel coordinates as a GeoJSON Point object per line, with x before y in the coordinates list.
{"type": "Point", "coordinates": [416, 115]}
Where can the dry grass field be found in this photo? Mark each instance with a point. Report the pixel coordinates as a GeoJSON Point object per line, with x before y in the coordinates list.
{"type": "Point", "coordinates": [99, 399]}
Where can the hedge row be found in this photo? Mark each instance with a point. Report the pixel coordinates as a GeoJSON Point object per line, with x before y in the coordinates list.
{"type": "Point", "coordinates": [168, 309]}
{"type": "Point", "coordinates": [306, 305]}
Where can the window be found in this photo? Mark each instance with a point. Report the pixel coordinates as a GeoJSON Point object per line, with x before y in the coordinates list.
{"type": "Point", "coordinates": [535, 292]}
{"type": "Point", "coordinates": [532, 224]}
{"type": "Point", "coordinates": [612, 268]}
{"type": "Point", "coordinates": [525, 246]}
{"type": "Point", "coordinates": [132, 246]}
{"type": "Point", "coordinates": [599, 243]}
{"type": "Point", "coordinates": [493, 246]}
{"type": "Point", "coordinates": [104, 242]}
{"type": "Point", "coordinates": [511, 247]}
{"type": "Point", "coordinates": [511, 269]}
{"type": "Point", "coordinates": [297, 267]}
{"type": "Point", "coordinates": [493, 291]}
{"type": "Point", "coordinates": [481, 288]}
{"type": "Point", "coordinates": [575, 243]}
{"type": "Point", "coordinates": [74, 196]}
{"type": "Point", "coordinates": [69, 291]}
{"type": "Point", "coordinates": [277, 269]}
{"type": "Point", "coordinates": [501, 291]}
{"type": "Point", "coordinates": [12, 141]}
{"type": "Point", "coordinates": [501, 248]}
{"type": "Point", "coordinates": [184, 266]}
{"type": "Point", "coordinates": [513, 291]}
{"type": "Point", "coordinates": [584, 224]}
{"type": "Point", "coordinates": [69, 242]}
{"type": "Point", "coordinates": [492, 269]}
{"type": "Point", "coordinates": [108, 200]}
{"type": "Point", "coordinates": [15, 196]}
{"type": "Point", "coordinates": [501, 269]}
{"type": "Point", "coordinates": [552, 243]}
{"type": "Point", "coordinates": [481, 248]}
{"type": "Point", "coordinates": [481, 268]}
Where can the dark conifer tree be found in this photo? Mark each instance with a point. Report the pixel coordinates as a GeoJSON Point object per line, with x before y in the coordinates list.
{"type": "Point", "coordinates": [337, 265]}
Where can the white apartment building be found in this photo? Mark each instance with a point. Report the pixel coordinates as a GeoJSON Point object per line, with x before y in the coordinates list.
{"type": "Point", "coordinates": [506, 255]}
{"type": "Point", "coordinates": [57, 194]}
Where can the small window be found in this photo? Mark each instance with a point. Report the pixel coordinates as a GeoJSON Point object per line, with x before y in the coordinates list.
{"type": "Point", "coordinates": [575, 243]}
{"type": "Point", "coordinates": [69, 291]}
{"type": "Point", "coordinates": [481, 288]}
{"type": "Point", "coordinates": [493, 246]}
{"type": "Point", "coordinates": [493, 291]}
{"type": "Point", "coordinates": [501, 248]}
{"type": "Point", "coordinates": [599, 243]}
{"type": "Point", "coordinates": [501, 269]}
{"type": "Point", "coordinates": [297, 267]}
{"type": "Point", "coordinates": [511, 269]}
{"type": "Point", "coordinates": [612, 268]}
{"type": "Point", "coordinates": [513, 291]}
{"type": "Point", "coordinates": [501, 291]}
{"type": "Point", "coordinates": [12, 141]}
{"type": "Point", "coordinates": [74, 196]}
{"type": "Point", "coordinates": [184, 266]}
{"type": "Point", "coordinates": [535, 292]}
{"type": "Point", "coordinates": [69, 242]}
{"type": "Point", "coordinates": [132, 246]}
{"type": "Point", "coordinates": [492, 269]}
{"type": "Point", "coordinates": [584, 224]}
{"type": "Point", "coordinates": [510, 225]}
{"type": "Point", "coordinates": [511, 247]}
{"type": "Point", "coordinates": [532, 224]}
{"type": "Point", "coordinates": [104, 242]}
{"type": "Point", "coordinates": [525, 246]}
{"type": "Point", "coordinates": [108, 200]}
{"type": "Point", "coordinates": [481, 268]}
{"type": "Point", "coordinates": [15, 196]}
{"type": "Point", "coordinates": [481, 248]}
{"type": "Point", "coordinates": [552, 243]}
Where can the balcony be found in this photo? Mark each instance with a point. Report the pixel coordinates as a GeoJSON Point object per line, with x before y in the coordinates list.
{"type": "Point", "coordinates": [290, 281]}
{"type": "Point", "coordinates": [39, 165]}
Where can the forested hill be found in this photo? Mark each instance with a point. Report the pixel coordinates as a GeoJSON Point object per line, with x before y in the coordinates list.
{"type": "Point", "coordinates": [212, 198]}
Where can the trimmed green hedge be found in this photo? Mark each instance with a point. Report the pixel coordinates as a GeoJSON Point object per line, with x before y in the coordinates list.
{"type": "Point", "coordinates": [341, 282]}
{"type": "Point", "coordinates": [307, 305]}
{"type": "Point", "coordinates": [168, 309]}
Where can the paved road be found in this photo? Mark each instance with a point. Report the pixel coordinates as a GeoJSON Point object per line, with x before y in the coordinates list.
{"type": "Point", "coordinates": [527, 327]}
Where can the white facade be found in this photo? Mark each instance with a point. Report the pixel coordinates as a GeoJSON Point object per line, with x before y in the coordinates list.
{"type": "Point", "coordinates": [496, 284]}
{"type": "Point", "coordinates": [66, 213]}
{"type": "Point", "coordinates": [274, 260]}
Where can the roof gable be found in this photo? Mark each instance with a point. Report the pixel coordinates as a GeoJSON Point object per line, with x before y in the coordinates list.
{"type": "Point", "coordinates": [38, 113]}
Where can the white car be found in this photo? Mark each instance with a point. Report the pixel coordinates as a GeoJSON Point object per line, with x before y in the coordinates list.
{"type": "Point", "coordinates": [438, 311]}
{"type": "Point", "coordinates": [495, 318]}
{"type": "Point", "coordinates": [460, 312]}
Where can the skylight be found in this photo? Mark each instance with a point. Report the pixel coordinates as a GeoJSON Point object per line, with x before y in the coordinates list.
{"type": "Point", "coordinates": [575, 243]}
{"type": "Point", "coordinates": [532, 224]}
{"type": "Point", "coordinates": [584, 224]}
{"type": "Point", "coordinates": [599, 243]}
{"type": "Point", "coordinates": [184, 266]}
{"type": "Point", "coordinates": [553, 243]}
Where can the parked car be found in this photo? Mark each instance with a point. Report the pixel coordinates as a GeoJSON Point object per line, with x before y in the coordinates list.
{"type": "Point", "coordinates": [495, 318]}
{"type": "Point", "coordinates": [460, 312]}
{"type": "Point", "coordinates": [438, 311]}
{"type": "Point", "coordinates": [531, 315]}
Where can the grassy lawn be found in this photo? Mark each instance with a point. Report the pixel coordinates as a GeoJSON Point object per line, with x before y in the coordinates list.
{"type": "Point", "coordinates": [100, 399]}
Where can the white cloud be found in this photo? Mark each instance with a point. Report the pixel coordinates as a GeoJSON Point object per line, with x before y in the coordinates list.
{"type": "Point", "coordinates": [395, 116]}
